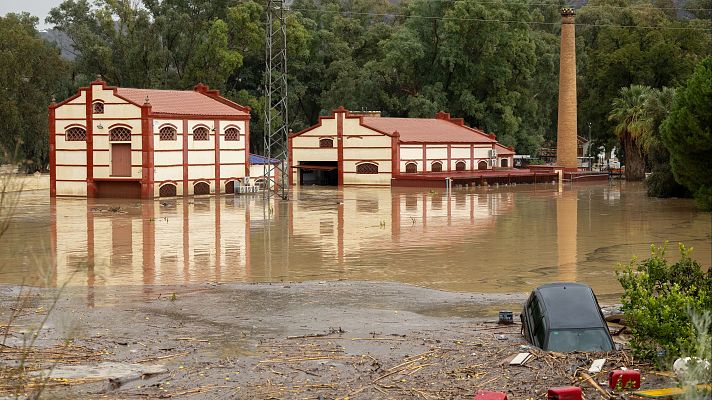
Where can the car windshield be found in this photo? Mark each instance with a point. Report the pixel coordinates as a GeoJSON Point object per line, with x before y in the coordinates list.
{"type": "Point", "coordinates": [578, 340]}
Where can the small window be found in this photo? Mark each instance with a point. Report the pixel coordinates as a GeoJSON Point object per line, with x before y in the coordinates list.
{"type": "Point", "coordinates": [367, 168]}
{"type": "Point", "coordinates": [201, 188]}
{"type": "Point", "coordinates": [167, 190]}
{"type": "Point", "coordinates": [460, 166]}
{"type": "Point", "coordinates": [75, 134]}
{"type": "Point", "coordinates": [437, 167]}
{"type": "Point", "coordinates": [505, 163]}
{"type": "Point", "coordinates": [168, 133]}
{"type": "Point", "coordinates": [326, 143]}
{"type": "Point", "coordinates": [411, 168]}
{"type": "Point", "coordinates": [200, 133]}
{"type": "Point", "coordinates": [98, 107]}
{"type": "Point", "coordinates": [120, 134]}
{"type": "Point", "coordinates": [232, 135]}
{"type": "Point", "coordinates": [482, 165]}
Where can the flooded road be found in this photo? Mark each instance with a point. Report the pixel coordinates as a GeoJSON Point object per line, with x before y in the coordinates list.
{"type": "Point", "coordinates": [505, 239]}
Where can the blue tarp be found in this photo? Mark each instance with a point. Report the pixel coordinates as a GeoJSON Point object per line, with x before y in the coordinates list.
{"type": "Point", "coordinates": [262, 160]}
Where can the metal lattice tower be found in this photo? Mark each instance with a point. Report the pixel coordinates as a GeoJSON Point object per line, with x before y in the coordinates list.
{"type": "Point", "coordinates": [276, 116]}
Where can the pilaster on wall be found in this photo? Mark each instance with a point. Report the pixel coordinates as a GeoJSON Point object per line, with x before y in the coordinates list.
{"type": "Point", "coordinates": [395, 154]}
{"type": "Point", "coordinates": [247, 147]}
{"type": "Point", "coordinates": [216, 127]}
{"type": "Point", "coordinates": [186, 190]}
{"type": "Point", "coordinates": [91, 186]}
{"type": "Point", "coordinates": [52, 149]}
{"type": "Point", "coordinates": [340, 113]}
{"type": "Point", "coordinates": [290, 160]}
{"type": "Point", "coordinates": [147, 190]}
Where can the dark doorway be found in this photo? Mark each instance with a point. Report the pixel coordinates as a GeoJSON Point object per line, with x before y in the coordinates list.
{"type": "Point", "coordinates": [121, 159]}
{"type": "Point", "coordinates": [322, 173]}
{"type": "Point", "coordinates": [505, 163]}
{"type": "Point", "coordinates": [482, 165]}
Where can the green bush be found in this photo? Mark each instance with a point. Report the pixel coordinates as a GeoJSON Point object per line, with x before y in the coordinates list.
{"type": "Point", "coordinates": [658, 299]}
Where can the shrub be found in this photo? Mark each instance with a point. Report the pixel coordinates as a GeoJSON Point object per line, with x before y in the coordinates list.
{"type": "Point", "coordinates": [662, 183]}
{"type": "Point", "coordinates": [658, 299]}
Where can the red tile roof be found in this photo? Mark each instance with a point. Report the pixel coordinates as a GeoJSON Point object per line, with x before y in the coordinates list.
{"type": "Point", "coordinates": [187, 102]}
{"type": "Point", "coordinates": [430, 130]}
{"type": "Point", "coordinates": [503, 151]}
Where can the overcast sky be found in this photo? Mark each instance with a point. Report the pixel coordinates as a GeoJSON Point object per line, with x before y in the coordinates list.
{"type": "Point", "coordinates": [38, 8]}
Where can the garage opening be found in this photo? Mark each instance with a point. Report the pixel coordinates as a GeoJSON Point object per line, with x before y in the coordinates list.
{"type": "Point", "coordinates": [322, 173]}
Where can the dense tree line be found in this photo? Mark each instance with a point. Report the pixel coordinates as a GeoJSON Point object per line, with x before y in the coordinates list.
{"type": "Point", "coordinates": [492, 62]}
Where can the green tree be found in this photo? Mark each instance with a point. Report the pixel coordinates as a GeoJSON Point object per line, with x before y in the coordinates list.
{"type": "Point", "coordinates": [661, 182]}
{"type": "Point", "coordinates": [687, 134]}
{"type": "Point", "coordinates": [31, 71]}
{"type": "Point", "coordinates": [631, 42]}
{"type": "Point", "coordinates": [632, 126]}
{"type": "Point", "coordinates": [213, 61]}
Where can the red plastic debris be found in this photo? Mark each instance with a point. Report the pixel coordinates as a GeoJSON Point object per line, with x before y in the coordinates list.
{"type": "Point", "coordinates": [487, 395]}
{"type": "Point", "coordinates": [564, 393]}
{"type": "Point", "coordinates": [620, 379]}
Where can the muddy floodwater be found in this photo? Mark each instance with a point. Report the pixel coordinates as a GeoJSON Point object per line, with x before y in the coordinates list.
{"type": "Point", "coordinates": [496, 239]}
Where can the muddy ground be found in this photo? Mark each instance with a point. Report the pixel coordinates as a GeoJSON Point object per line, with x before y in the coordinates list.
{"type": "Point", "coordinates": [318, 340]}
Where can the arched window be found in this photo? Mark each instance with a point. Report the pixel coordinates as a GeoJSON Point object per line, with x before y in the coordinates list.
{"type": "Point", "coordinates": [97, 107]}
{"type": "Point", "coordinates": [168, 133]}
{"type": "Point", "coordinates": [75, 134]}
{"type": "Point", "coordinates": [232, 134]}
{"type": "Point", "coordinates": [167, 190]}
{"type": "Point", "coordinates": [120, 134]}
{"type": "Point", "coordinates": [460, 166]}
{"type": "Point", "coordinates": [505, 163]}
{"type": "Point", "coordinates": [230, 187]}
{"type": "Point", "coordinates": [437, 166]}
{"type": "Point", "coordinates": [200, 133]}
{"type": "Point", "coordinates": [482, 164]}
{"type": "Point", "coordinates": [367, 168]}
{"type": "Point", "coordinates": [326, 142]}
{"type": "Point", "coordinates": [411, 168]}
{"type": "Point", "coordinates": [201, 188]}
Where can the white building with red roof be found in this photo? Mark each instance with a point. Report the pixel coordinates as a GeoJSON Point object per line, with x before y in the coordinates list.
{"type": "Point", "coordinates": [121, 142]}
{"type": "Point", "coordinates": [353, 148]}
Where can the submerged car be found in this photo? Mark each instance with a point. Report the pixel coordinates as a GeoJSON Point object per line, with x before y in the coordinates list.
{"type": "Point", "coordinates": [565, 317]}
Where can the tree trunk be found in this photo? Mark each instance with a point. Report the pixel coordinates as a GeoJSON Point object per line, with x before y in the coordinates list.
{"type": "Point", "coordinates": [634, 160]}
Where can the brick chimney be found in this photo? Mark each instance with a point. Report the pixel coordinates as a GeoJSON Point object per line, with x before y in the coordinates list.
{"type": "Point", "coordinates": [566, 133]}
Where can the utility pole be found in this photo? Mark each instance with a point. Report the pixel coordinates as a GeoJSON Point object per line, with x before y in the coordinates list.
{"type": "Point", "coordinates": [588, 149]}
{"type": "Point", "coordinates": [276, 122]}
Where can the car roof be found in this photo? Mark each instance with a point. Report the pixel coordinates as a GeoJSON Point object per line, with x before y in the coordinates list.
{"type": "Point", "coordinates": [569, 305]}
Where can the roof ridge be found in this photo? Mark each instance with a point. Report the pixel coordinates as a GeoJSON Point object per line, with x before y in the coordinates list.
{"type": "Point", "coordinates": [159, 90]}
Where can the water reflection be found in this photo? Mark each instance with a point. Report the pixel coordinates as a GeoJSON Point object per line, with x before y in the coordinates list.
{"type": "Point", "coordinates": [505, 239]}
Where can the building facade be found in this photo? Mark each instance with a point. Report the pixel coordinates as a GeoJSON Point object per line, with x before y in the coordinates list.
{"type": "Point", "coordinates": [348, 148]}
{"type": "Point", "coordinates": [145, 143]}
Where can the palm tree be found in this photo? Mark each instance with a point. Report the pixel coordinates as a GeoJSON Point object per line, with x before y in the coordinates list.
{"type": "Point", "coordinates": [658, 107]}
{"type": "Point", "coordinates": [631, 113]}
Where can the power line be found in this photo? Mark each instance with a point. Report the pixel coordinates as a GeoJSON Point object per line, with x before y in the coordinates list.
{"type": "Point", "coordinates": [444, 18]}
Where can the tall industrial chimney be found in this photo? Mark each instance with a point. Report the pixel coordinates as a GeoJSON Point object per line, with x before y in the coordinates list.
{"type": "Point", "coordinates": [566, 140]}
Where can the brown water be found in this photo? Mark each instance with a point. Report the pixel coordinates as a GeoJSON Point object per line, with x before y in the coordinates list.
{"type": "Point", "coordinates": [506, 239]}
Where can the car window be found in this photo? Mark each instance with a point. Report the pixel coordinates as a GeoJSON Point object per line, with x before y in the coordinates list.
{"type": "Point", "coordinates": [538, 320]}
{"type": "Point", "coordinates": [565, 340]}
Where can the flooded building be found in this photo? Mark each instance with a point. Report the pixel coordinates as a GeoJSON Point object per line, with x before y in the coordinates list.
{"type": "Point", "coordinates": [144, 143]}
{"type": "Point", "coordinates": [349, 148]}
